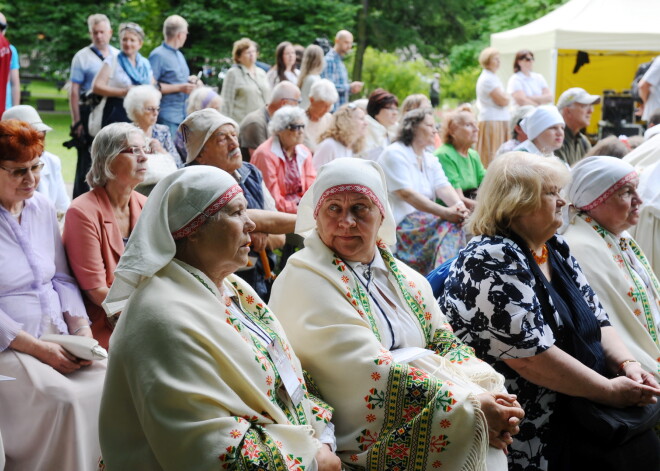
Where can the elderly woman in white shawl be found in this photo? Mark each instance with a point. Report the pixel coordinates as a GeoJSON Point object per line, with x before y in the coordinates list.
{"type": "Point", "coordinates": [407, 393]}
{"type": "Point", "coordinates": [201, 375]}
{"type": "Point", "coordinates": [605, 204]}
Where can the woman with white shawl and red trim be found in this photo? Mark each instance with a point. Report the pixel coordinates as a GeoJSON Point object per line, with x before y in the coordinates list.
{"type": "Point", "coordinates": [407, 393]}
{"type": "Point", "coordinates": [201, 375]}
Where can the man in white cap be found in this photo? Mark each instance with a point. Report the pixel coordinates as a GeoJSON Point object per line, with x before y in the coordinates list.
{"type": "Point", "coordinates": [212, 139]}
{"type": "Point", "coordinates": [51, 183]}
{"type": "Point", "coordinates": [576, 107]}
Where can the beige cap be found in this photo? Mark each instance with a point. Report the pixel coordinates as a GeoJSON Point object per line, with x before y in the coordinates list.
{"type": "Point", "coordinates": [28, 114]}
{"type": "Point", "coordinates": [576, 95]}
{"type": "Point", "coordinates": [199, 126]}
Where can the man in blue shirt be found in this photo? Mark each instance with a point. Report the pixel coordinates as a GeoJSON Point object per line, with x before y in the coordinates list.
{"type": "Point", "coordinates": [172, 74]}
{"type": "Point", "coordinates": [335, 70]}
{"type": "Point", "coordinates": [84, 67]}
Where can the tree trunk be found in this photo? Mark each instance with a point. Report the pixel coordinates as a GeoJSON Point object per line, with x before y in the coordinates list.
{"type": "Point", "coordinates": [361, 41]}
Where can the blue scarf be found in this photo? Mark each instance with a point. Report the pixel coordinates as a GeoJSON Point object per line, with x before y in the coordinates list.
{"type": "Point", "coordinates": [141, 73]}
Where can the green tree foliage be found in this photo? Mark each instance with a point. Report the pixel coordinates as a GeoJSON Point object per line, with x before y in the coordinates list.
{"type": "Point", "coordinates": [394, 73]}
{"type": "Point", "coordinates": [53, 31]}
{"type": "Point", "coordinates": [448, 33]}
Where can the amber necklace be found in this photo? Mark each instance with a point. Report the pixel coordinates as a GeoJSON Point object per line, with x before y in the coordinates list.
{"type": "Point", "coordinates": [543, 257]}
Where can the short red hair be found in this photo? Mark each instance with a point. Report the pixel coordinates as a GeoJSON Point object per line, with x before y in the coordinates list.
{"type": "Point", "coordinates": [19, 142]}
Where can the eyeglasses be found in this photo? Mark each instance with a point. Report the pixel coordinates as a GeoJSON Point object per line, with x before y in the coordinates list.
{"type": "Point", "coordinates": [295, 127]}
{"type": "Point", "coordinates": [392, 108]}
{"type": "Point", "coordinates": [295, 100]}
{"type": "Point", "coordinates": [527, 58]}
{"type": "Point", "coordinates": [20, 172]}
{"type": "Point", "coordinates": [152, 109]}
{"type": "Point", "coordinates": [3, 26]}
{"type": "Point", "coordinates": [136, 150]}
{"type": "Point", "coordinates": [134, 26]}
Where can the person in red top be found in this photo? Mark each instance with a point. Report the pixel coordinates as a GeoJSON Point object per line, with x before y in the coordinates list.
{"type": "Point", "coordinates": [5, 62]}
{"type": "Point", "coordinates": [286, 164]}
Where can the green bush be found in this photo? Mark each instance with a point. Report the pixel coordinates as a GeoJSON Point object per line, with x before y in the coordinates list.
{"type": "Point", "coordinates": [398, 76]}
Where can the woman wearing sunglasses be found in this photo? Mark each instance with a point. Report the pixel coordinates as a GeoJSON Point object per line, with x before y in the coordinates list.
{"type": "Point", "coordinates": [286, 164]}
{"type": "Point", "coordinates": [99, 222]}
{"type": "Point", "coordinates": [527, 87]}
{"type": "Point", "coordinates": [53, 400]}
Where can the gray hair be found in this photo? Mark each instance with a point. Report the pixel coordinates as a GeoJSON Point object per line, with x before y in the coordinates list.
{"type": "Point", "coordinates": [133, 27]}
{"type": "Point", "coordinates": [285, 116]}
{"type": "Point", "coordinates": [283, 90]}
{"type": "Point", "coordinates": [107, 145]}
{"type": "Point", "coordinates": [324, 90]}
{"type": "Point", "coordinates": [517, 116]}
{"type": "Point", "coordinates": [200, 95]}
{"type": "Point", "coordinates": [172, 25]}
{"type": "Point", "coordinates": [93, 20]}
{"type": "Point", "coordinates": [411, 121]}
{"type": "Point", "coordinates": [137, 97]}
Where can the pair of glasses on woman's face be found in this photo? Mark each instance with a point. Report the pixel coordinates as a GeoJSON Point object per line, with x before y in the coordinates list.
{"type": "Point", "coordinates": [152, 109]}
{"type": "Point", "coordinates": [295, 127]}
{"type": "Point", "coordinates": [21, 172]}
{"type": "Point", "coordinates": [527, 59]}
{"type": "Point", "coordinates": [135, 151]}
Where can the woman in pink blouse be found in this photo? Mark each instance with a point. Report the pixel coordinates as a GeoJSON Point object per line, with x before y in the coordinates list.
{"type": "Point", "coordinates": [99, 222]}
{"type": "Point", "coordinates": [48, 414]}
{"type": "Point", "coordinates": [286, 164]}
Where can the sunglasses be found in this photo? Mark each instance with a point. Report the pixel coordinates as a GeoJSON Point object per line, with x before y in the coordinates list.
{"type": "Point", "coordinates": [295, 127]}
{"type": "Point", "coordinates": [527, 58]}
{"type": "Point", "coordinates": [3, 26]}
{"type": "Point", "coordinates": [135, 151]}
{"type": "Point", "coordinates": [21, 172]}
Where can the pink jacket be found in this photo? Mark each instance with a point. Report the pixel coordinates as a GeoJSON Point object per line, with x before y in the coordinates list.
{"type": "Point", "coordinates": [269, 158]}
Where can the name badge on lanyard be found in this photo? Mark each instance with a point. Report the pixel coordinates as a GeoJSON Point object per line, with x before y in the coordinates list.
{"type": "Point", "coordinates": [286, 372]}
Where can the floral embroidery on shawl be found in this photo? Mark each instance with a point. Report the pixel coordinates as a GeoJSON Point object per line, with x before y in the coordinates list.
{"type": "Point", "coordinates": [637, 291]}
{"type": "Point", "coordinates": [256, 451]}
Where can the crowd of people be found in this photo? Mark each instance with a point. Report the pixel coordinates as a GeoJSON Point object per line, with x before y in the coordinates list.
{"type": "Point", "coordinates": [288, 279]}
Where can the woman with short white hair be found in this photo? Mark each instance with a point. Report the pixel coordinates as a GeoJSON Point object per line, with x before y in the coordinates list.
{"type": "Point", "coordinates": [322, 97]}
{"type": "Point", "coordinates": [99, 222]}
{"type": "Point", "coordinates": [142, 104]}
{"type": "Point", "coordinates": [286, 164]}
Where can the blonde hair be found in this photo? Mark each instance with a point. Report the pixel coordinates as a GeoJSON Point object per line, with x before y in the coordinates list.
{"type": "Point", "coordinates": [412, 102]}
{"type": "Point", "coordinates": [486, 56]}
{"type": "Point", "coordinates": [343, 130]}
{"type": "Point", "coordinates": [513, 186]}
{"type": "Point", "coordinates": [454, 116]}
{"type": "Point", "coordinates": [240, 47]}
{"type": "Point", "coordinates": [313, 63]}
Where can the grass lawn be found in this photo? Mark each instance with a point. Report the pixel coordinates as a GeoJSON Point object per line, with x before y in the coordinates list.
{"type": "Point", "coordinates": [59, 120]}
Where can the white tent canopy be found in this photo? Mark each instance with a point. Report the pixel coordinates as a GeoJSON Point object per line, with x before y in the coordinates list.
{"type": "Point", "coordinates": [605, 25]}
{"type": "Point", "coordinates": [619, 25]}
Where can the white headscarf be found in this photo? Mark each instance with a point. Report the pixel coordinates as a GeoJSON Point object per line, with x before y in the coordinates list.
{"type": "Point", "coordinates": [347, 175]}
{"type": "Point", "coordinates": [541, 119]}
{"type": "Point", "coordinates": [178, 205]}
{"type": "Point", "coordinates": [595, 179]}
{"type": "Point", "coordinates": [199, 126]}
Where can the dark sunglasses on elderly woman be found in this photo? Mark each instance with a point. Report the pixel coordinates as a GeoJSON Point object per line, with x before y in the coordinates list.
{"type": "Point", "coordinates": [295, 127]}
{"type": "Point", "coordinates": [527, 58]}
{"type": "Point", "coordinates": [20, 172]}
